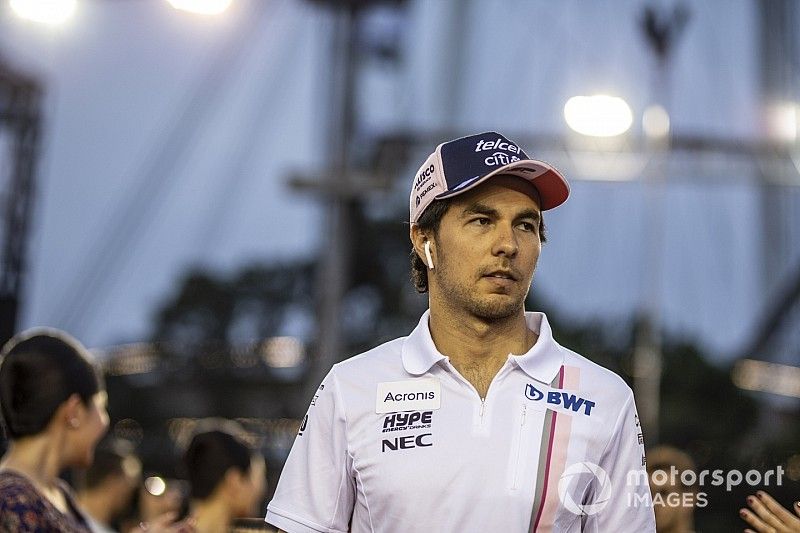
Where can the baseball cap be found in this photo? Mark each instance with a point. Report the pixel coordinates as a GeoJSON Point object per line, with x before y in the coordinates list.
{"type": "Point", "coordinates": [459, 165]}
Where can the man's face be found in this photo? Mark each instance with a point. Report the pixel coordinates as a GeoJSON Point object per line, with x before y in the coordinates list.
{"type": "Point", "coordinates": [486, 248]}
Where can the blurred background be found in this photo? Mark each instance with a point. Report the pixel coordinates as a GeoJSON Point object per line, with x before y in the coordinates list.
{"type": "Point", "coordinates": [213, 195]}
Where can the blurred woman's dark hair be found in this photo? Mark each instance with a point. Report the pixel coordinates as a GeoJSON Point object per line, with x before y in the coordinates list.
{"type": "Point", "coordinates": [209, 456]}
{"type": "Point", "coordinates": [39, 370]}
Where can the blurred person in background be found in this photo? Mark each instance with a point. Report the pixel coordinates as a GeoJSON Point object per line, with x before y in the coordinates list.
{"type": "Point", "coordinates": [768, 516]}
{"type": "Point", "coordinates": [159, 496]}
{"type": "Point", "coordinates": [227, 480]}
{"type": "Point", "coordinates": [53, 405]}
{"type": "Point", "coordinates": [157, 506]}
{"type": "Point", "coordinates": [106, 489]}
{"type": "Point", "coordinates": [673, 502]}
{"type": "Point", "coordinates": [468, 423]}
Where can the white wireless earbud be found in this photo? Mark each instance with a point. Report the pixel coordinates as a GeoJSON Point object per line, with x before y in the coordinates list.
{"type": "Point", "coordinates": [428, 254]}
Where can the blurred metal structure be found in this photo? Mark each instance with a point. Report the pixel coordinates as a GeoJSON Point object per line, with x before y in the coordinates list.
{"type": "Point", "coordinates": [778, 321]}
{"type": "Point", "coordinates": [340, 186]}
{"type": "Point", "coordinates": [777, 338]}
{"type": "Point", "coordinates": [661, 31]}
{"type": "Point", "coordinates": [780, 83]}
{"type": "Point", "coordinates": [20, 118]}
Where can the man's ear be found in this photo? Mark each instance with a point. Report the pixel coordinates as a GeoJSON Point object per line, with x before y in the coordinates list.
{"type": "Point", "coordinates": [418, 239]}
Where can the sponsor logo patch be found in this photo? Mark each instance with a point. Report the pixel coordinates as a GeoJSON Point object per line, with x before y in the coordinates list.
{"type": "Point", "coordinates": [556, 398]}
{"type": "Point", "coordinates": [423, 177]}
{"type": "Point", "coordinates": [407, 442]}
{"type": "Point", "coordinates": [409, 395]}
{"type": "Point", "coordinates": [303, 425]}
{"type": "Point", "coordinates": [407, 421]}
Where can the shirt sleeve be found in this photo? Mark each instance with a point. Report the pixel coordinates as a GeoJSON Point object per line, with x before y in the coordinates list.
{"type": "Point", "coordinates": [630, 505]}
{"type": "Point", "coordinates": [316, 490]}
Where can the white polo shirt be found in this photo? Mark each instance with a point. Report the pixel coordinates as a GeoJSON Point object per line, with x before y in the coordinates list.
{"type": "Point", "coordinates": [396, 440]}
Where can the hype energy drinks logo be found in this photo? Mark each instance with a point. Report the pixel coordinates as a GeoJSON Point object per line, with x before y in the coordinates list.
{"type": "Point", "coordinates": [559, 398]}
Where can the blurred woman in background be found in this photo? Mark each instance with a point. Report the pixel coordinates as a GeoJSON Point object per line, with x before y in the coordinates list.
{"type": "Point", "coordinates": [53, 406]}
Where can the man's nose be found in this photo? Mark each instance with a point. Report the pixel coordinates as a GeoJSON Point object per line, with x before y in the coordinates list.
{"type": "Point", "coordinates": [506, 241]}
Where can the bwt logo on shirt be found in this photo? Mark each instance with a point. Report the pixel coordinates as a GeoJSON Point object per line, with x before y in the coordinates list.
{"type": "Point", "coordinates": [561, 399]}
{"type": "Point", "coordinates": [401, 421]}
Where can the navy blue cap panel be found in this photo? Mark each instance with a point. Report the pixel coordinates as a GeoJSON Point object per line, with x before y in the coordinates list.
{"type": "Point", "coordinates": [469, 158]}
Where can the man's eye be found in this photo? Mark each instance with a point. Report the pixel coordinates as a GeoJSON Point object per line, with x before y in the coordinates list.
{"type": "Point", "coordinates": [481, 221]}
{"type": "Point", "coordinates": [527, 226]}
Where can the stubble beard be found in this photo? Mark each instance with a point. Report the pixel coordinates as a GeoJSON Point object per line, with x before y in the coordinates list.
{"type": "Point", "coordinates": [483, 307]}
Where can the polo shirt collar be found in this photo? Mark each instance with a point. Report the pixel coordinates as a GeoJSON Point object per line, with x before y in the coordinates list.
{"type": "Point", "coordinates": [542, 362]}
{"type": "Point", "coordinates": [419, 352]}
{"type": "Point", "coordinates": [545, 358]}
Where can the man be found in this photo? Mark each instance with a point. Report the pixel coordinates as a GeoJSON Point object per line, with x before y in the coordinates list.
{"type": "Point", "coordinates": [106, 489]}
{"type": "Point", "coordinates": [478, 420]}
{"type": "Point", "coordinates": [227, 480]}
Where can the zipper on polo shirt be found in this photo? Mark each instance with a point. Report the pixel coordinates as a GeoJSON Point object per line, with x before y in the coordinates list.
{"type": "Point", "coordinates": [457, 375]}
{"type": "Point", "coordinates": [519, 448]}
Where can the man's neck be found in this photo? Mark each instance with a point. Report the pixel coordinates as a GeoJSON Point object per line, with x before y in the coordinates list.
{"type": "Point", "coordinates": [478, 348]}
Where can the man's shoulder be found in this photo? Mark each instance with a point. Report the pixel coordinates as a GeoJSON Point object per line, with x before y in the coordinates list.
{"type": "Point", "coordinates": [382, 361]}
{"type": "Point", "coordinates": [593, 376]}
{"type": "Point", "coordinates": [356, 379]}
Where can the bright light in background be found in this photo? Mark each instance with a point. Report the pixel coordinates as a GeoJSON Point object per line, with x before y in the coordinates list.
{"type": "Point", "coordinates": [51, 12]}
{"type": "Point", "coordinates": [202, 7]}
{"type": "Point", "coordinates": [750, 374]}
{"type": "Point", "coordinates": [655, 122]}
{"type": "Point", "coordinates": [282, 352]}
{"type": "Point", "coordinates": [598, 116]}
{"type": "Point", "coordinates": [155, 485]}
{"type": "Point", "coordinates": [784, 119]}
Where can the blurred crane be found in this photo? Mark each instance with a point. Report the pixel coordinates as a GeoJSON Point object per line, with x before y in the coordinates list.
{"type": "Point", "coordinates": [20, 120]}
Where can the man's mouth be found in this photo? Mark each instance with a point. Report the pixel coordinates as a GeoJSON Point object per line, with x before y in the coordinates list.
{"type": "Point", "coordinates": [501, 274]}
